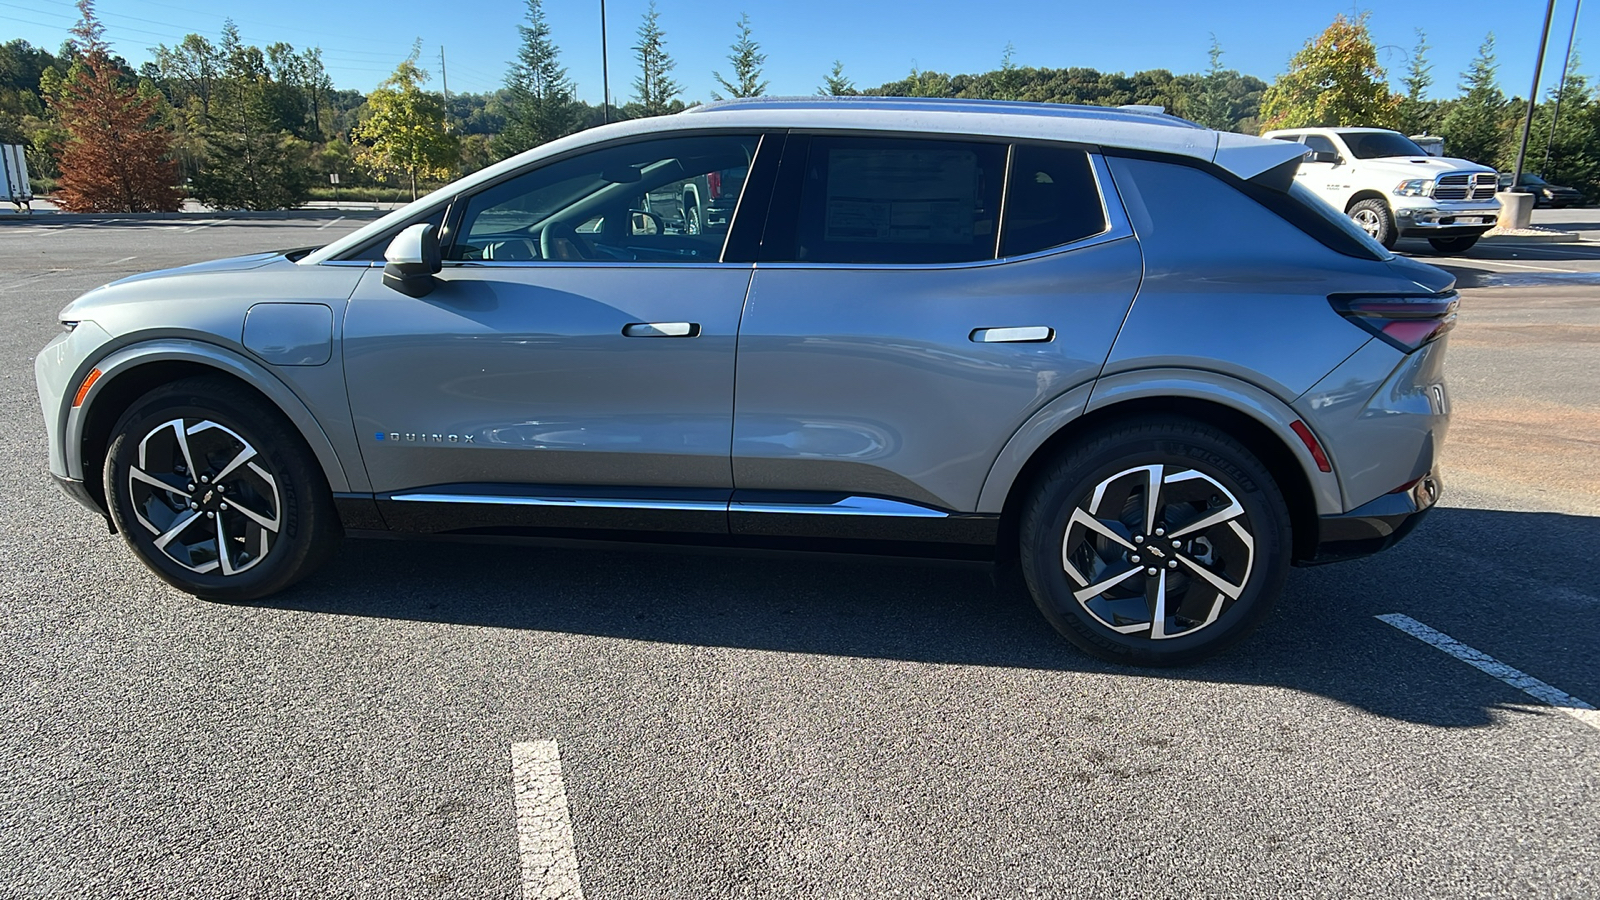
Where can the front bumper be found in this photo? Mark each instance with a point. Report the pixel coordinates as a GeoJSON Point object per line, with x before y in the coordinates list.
{"type": "Point", "coordinates": [1442, 221]}
{"type": "Point", "coordinates": [78, 491]}
{"type": "Point", "coordinates": [1375, 526]}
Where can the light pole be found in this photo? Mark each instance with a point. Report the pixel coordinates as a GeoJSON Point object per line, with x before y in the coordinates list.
{"type": "Point", "coordinates": [1561, 88]}
{"type": "Point", "coordinates": [1533, 95]}
{"type": "Point", "coordinates": [605, 72]}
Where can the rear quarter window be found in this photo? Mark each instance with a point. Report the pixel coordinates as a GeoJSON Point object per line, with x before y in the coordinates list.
{"type": "Point", "coordinates": [1052, 200]}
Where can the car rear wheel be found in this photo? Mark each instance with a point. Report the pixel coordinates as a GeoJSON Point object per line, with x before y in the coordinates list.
{"type": "Point", "coordinates": [1374, 217]}
{"type": "Point", "coordinates": [1157, 542]}
{"type": "Point", "coordinates": [1454, 244]}
{"type": "Point", "coordinates": [217, 493]}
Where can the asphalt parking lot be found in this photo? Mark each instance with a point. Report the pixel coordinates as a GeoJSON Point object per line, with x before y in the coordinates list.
{"type": "Point", "coordinates": [795, 727]}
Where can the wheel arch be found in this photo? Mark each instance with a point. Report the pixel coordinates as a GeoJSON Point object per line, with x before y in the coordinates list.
{"type": "Point", "coordinates": [1367, 194]}
{"type": "Point", "coordinates": [131, 372]}
{"type": "Point", "coordinates": [1255, 418]}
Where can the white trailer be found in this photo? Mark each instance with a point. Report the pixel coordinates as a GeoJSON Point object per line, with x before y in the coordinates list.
{"type": "Point", "coordinates": [14, 177]}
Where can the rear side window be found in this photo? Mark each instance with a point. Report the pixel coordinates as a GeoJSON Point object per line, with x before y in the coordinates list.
{"type": "Point", "coordinates": [1052, 200]}
{"type": "Point", "coordinates": [899, 201]}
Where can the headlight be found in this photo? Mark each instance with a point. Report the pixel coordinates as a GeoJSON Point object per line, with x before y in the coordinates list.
{"type": "Point", "coordinates": [68, 324]}
{"type": "Point", "coordinates": [1417, 187]}
{"type": "Point", "coordinates": [1547, 192]}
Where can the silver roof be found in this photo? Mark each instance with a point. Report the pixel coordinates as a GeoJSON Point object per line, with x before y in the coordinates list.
{"type": "Point", "coordinates": [1130, 128]}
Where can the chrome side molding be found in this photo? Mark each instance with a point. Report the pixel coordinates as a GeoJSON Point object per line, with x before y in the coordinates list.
{"type": "Point", "coordinates": [848, 506]}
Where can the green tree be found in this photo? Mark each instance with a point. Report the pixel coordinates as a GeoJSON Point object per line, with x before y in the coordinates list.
{"type": "Point", "coordinates": [1334, 80]}
{"type": "Point", "coordinates": [654, 88]}
{"type": "Point", "coordinates": [1417, 114]}
{"type": "Point", "coordinates": [251, 159]}
{"type": "Point", "coordinates": [1573, 146]}
{"type": "Point", "coordinates": [1008, 80]}
{"type": "Point", "coordinates": [746, 60]}
{"type": "Point", "coordinates": [404, 133]}
{"type": "Point", "coordinates": [538, 98]}
{"type": "Point", "coordinates": [1474, 125]}
{"type": "Point", "coordinates": [1213, 108]}
{"type": "Point", "coordinates": [836, 84]}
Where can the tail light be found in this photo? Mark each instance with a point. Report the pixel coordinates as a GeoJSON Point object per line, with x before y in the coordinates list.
{"type": "Point", "coordinates": [1405, 321]}
{"type": "Point", "coordinates": [714, 185]}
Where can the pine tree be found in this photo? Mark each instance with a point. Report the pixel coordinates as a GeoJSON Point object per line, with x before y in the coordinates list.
{"type": "Point", "coordinates": [1571, 155]}
{"type": "Point", "coordinates": [539, 97]}
{"type": "Point", "coordinates": [1474, 125]}
{"type": "Point", "coordinates": [747, 60]}
{"type": "Point", "coordinates": [1334, 80]}
{"type": "Point", "coordinates": [836, 85]}
{"type": "Point", "coordinates": [1008, 81]}
{"type": "Point", "coordinates": [654, 88]}
{"type": "Point", "coordinates": [1213, 108]}
{"type": "Point", "coordinates": [116, 157]}
{"type": "Point", "coordinates": [252, 161]}
{"type": "Point", "coordinates": [1416, 114]}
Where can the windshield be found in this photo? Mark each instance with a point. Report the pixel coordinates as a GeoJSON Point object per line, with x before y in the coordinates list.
{"type": "Point", "coordinates": [1379, 144]}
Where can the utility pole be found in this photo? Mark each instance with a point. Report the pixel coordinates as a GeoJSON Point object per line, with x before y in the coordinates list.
{"type": "Point", "coordinates": [444, 77]}
{"type": "Point", "coordinates": [1533, 96]}
{"type": "Point", "coordinates": [1561, 88]}
{"type": "Point", "coordinates": [605, 72]}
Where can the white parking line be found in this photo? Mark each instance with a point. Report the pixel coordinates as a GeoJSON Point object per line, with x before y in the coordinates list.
{"type": "Point", "coordinates": [544, 826]}
{"type": "Point", "coordinates": [1517, 678]}
{"type": "Point", "coordinates": [334, 222]}
{"type": "Point", "coordinates": [122, 260]}
{"type": "Point", "coordinates": [1501, 262]}
{"type": "Point", "coordinates": [201, 225]}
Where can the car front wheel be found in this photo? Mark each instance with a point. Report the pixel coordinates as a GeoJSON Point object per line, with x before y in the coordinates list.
{"type": "Point", "coordinates": [217, 493]}
{"type": "Point", "coordinates": [1375, 219]}
{"type": "Point", "coordinates": [1157, 542]}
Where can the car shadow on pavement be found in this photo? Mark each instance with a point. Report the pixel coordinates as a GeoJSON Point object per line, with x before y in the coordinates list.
{"type": "Point", "coordinates": [1486, 578]}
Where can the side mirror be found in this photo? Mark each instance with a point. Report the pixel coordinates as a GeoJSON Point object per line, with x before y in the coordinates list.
{"type": "Point", "coordinates": [1325, 156]}
{"type": "Point", "coordinates": [412, 259]}
{"type": "Point", "coordinates": [641, 222]}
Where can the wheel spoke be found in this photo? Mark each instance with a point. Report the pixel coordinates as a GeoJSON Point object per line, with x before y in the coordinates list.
{"type": "Point", "coordinates": [1227, 513]}
{"type": "Point", "coordinates": [1156, 595]}
{"type": "Point", "coordinates": [245, 455]}
{"type": "Point", "coordinates": [188, 518]}
{"type": "Point", "coordinates": [1152, 496]}
{"type": "Point", "coordinates": [1082, 517]}
{"type": "Point", "coordinates": [138, 474]}
{"type": "Point", "coordinates": [1098, 588]}
{"type": "Point", "coordinates": [183, 444]}
{"type": "Point", "coordinates": [222, 550]}
{"type": "Point", "coordinates": [1231, 590]}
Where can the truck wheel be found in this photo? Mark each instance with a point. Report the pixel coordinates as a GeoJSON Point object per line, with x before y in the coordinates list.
{"type": "Point", "coordinates": [1375, 219]}
{"type": "Point", "coordinates": [217, 493]}
{"type": "Point", "coordinates": [1453, 245]}
{"type": "Point", "coordinates": [1159, 541]}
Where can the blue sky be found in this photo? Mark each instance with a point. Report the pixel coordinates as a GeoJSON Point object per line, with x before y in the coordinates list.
{"type": "Point", "coordinates": [362, 40]}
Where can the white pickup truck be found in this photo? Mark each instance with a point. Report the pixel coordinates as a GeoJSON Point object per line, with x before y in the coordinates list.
{"type": "Point", "coordinates": [1392, 189]}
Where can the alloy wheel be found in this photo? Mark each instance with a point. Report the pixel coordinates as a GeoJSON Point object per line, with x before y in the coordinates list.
{"type": "Point", "coordinates": [206, 495]}
{"type": "Point", "coordinates": [1368, 220]}
{"type": "Point", "coordinates": [1160, 551]}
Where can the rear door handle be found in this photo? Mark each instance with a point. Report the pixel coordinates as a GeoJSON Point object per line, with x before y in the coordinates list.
{"type": "Point", "coordinates": [661, 329]}
{"type": "Point", "coordinates": [1026, 334]}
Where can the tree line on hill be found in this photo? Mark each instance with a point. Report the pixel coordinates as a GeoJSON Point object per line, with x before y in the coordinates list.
{"type": "Point", "coordinates": [244, 127]}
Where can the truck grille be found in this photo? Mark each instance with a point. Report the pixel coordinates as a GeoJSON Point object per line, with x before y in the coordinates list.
{"type": "Point", "coordinates": [1466, 186]}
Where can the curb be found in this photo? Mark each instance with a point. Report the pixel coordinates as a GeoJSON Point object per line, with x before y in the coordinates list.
{"type": "Point", "coordinates": [47, 217]}
{"type": "Point", "coordinates": [1553, 237]}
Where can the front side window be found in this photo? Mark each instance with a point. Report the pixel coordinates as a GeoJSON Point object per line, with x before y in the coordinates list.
{"type": "Point", "coordinates": [899, 201]}
{"type": "Point", "coordinates": [1319, 144]}
{"type": "Point", "coordinates": [663, 200]}
{"type": "Point", "coordinates": [1052, 200]}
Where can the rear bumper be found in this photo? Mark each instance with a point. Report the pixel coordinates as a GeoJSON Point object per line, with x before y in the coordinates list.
{"type": "Point", "coordinates": [1375, 526]}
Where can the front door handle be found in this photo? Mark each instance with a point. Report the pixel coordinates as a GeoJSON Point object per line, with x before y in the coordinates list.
{"type": "Point", "coordinates": [661, 329]}
{"type": "Point", "coordinates": [1026, 334]}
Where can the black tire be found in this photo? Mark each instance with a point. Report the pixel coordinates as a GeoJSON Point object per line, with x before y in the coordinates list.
{"type": "Point", "coordinates": [291, 527]}
{"type": "Point", "coordinates": [691, 217]}
{"type": "Point", "coordinates": [1454, 244]}
{"type": "Point", "coordinates": [1179, 446]}
{"type": "Point", "coordinates": [1374, 217]}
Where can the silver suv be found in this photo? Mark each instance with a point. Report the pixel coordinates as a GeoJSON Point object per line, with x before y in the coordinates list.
{"type": "Point", "coordinates": [1120, 354]}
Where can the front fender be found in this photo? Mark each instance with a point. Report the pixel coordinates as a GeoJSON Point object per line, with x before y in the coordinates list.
{"type": "Point", "coordinates": [252, 373]}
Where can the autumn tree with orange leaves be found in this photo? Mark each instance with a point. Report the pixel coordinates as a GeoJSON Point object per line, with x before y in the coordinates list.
{"type": "Point", "coordinates": [116, 157]}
